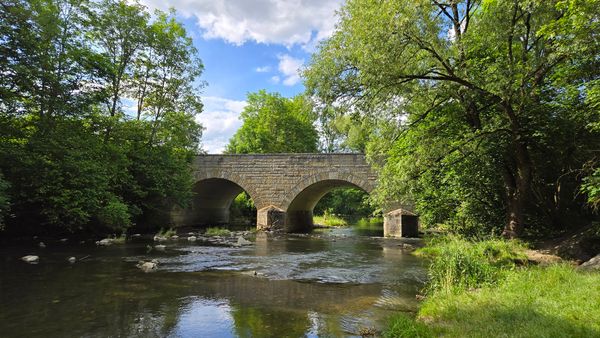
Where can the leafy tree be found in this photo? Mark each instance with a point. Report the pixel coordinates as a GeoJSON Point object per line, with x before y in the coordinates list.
{"type": "Point", "coordinates": [72, 160]}
{"type": "Point", "coordinates": [274, 124]}
{"type": "Point", "coordinates": [477, 108]}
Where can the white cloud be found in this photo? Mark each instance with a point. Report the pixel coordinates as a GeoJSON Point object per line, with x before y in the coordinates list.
{"type": "Point", "coordinates": [285, 22]}
{"type": "Point", "coordinates": [275, 79]}
{"type": "Point", "coordinates": [220, 119]}
{"type": "Point", "coordinates": [264, 69]}
{"type": "Point", "coordinates": [289, 68]}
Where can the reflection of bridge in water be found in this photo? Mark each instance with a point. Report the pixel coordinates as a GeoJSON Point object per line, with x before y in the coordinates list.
{"type": "Point", "coordinates": [284, 187]}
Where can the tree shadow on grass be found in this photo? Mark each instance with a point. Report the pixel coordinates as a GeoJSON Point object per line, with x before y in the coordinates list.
{"type": "Point", "coordinates": [498, 320]}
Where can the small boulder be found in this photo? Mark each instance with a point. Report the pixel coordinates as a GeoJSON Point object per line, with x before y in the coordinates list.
{"type": "Point", "coordinates": [160, 247]}
{"type": "Point", "coordinates": [63, 240]}
{"type": "Point", "coordinates": [174, 237]}
{"type": "Point", "coordinates": [42, 245]}
{"type": "Point", "coordinates": [192, 238]}
{"type": "Point", "coordinates": [592, 264]}
{"type": "Point", "coordinates": [136, 235]}
{"type": "Point", "coordinates": [160, 238]}
{"type": "Point", "coordinates": [105, 242]}
{"type": "Point", "coordinates": [72, 260]}
{"type": "Point", "coordinates": [31, 259]}
{"type": "Point", "coordinates": [147, 266]}
{"type": "Point", "coordinates": [242, 241]}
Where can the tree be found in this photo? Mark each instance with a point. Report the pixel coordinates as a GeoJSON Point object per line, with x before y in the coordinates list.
{"type": "Point", "coordinates": [71, 158]}
{"type": "Point", "coordinates": [274, 124]}
{"type": "Point", "coordinates": [476, 106]}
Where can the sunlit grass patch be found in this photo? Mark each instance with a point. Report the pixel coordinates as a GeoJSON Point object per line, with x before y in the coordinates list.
{"type": "Point", "coordinates": [458, 264]}
{"type": "Point", "coordinates": [330, 220]}
{"type": "Point", "coordinates": [555, 301]}
{"type": "Point", "coordinates": [216, 231]}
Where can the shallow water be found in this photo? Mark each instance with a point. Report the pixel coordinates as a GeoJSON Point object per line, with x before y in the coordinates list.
{"type": "Point", "coordinates": [329, 283]}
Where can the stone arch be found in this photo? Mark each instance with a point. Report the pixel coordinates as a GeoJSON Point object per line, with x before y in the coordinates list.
{"type": "Point", "coordinates": [341, 177]}
{"type": "Point", "coordinates": [213, 195]}
{"type": "Point", "coordinates": [301, 200]}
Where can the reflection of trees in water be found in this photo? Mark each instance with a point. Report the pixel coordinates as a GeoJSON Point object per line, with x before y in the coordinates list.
{"type": "Point", "coordinates": [266, 322]}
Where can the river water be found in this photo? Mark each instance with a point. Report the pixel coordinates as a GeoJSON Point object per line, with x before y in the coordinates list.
{"type": "Point", "coordinates": [332, 283]}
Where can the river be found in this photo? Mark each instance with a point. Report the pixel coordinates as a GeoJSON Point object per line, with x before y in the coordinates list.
{"type": "Point", "coordinates": [333, 283]}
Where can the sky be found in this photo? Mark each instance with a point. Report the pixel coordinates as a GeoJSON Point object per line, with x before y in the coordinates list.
{"type": "Point", "coordinates": [246, 46]}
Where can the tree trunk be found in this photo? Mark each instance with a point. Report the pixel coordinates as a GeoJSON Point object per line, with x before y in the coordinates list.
{"type": "Point", "coordinates": [518, 180]}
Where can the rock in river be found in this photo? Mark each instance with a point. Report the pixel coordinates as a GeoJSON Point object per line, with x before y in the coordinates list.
{"type": "Point", "coordinates": [31, 259]}
{"type": "Point", "coordinates": [160, 247]}
{"type": "Point", "coordinates": [242, 241]}
{"type": "Point", "coordinates": [192, 238]}
{"type": "Point", "coordinates": [148, 266]}
{"type": "Point", "coordinates": [105, 242]}
{"type": "Point", "coordinates": [72, 260]}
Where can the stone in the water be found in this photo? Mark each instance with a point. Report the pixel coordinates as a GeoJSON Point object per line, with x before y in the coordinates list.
{"type": "Point", "coordinates": [72, 260]}
{"type": "Point", "coordinates": [242, 241]}
{"type": "Point", "coordinates": [42, 245]}
{"type": "Point", "coordinates": [148, 266]}
{"type": "Point", "coordinates": [192, 238]}
{"type": "Point", "coordinates": [160, 247]}
{"type": "Point", "coordinates": [63, 240]}
{"type": "Point", "coordinates": [160, 239]}
{"type": "Point", "coordinates": [105, 242]}
{"type": "Point", "coordinates": [174, 237]}
{"type": "Point", "coordinates": [136, 235]}
{"type": "Point", "coordinates": [31, 259]}
{"type": "Point", "coordinates": [592, 264]}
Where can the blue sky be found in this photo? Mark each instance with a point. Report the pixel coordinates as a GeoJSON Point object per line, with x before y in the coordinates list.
{"type": "Point", "coordinates": [248, 45]}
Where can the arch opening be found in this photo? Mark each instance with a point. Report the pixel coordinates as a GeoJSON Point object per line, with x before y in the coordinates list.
{"type": "Point", "coordinates": [299, 215]}
{"type": "Point", "coordinates": [211, 203]}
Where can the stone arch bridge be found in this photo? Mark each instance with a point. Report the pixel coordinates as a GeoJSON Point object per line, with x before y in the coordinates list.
{"type": "Point", "coordinates": [284, 187]}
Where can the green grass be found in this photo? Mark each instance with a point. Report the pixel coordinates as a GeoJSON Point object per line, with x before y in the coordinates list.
{"type": "Point", "coordinates": [555, 301]}
{"type": "Point", "coordinates": [216, 231]}
{"type": "Point", "coordinates": [458, 264]}
{"type": "Point", "coordinates": [486, 289]}
{"type": "Point", "coordinates": [400, 326]}
{"type": "Point", "coordinates": [166, 232]}
{"type": "Point", "coordinates": [330, 220]}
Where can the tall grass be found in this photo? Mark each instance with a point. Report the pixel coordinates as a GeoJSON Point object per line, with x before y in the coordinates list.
{"type": "Point", "coordinates": [458, 264]}
{"type": "Point", "coordinates": [216, 231]}
{"type": "Point", "coordinates": [330, 220]}
{"type": "Point", "coordinates": [555, 301]}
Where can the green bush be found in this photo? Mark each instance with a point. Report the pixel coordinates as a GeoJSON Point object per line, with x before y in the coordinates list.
{"type": "Point", "coordinates": [458, 264]}
{"type": "Point", "coordinates": [115, 215]}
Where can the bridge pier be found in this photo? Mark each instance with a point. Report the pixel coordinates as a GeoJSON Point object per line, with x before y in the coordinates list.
{"type": "Point", "coordinates": [299, 221]}
{"type": "Point", "coordinates": [400, 223]}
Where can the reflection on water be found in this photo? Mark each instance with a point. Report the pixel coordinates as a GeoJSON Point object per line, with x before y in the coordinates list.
{"type": "Point", "coordinates": [330, 283]}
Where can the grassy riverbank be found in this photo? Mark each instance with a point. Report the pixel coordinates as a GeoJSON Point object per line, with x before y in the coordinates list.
{"type": "Point", "coordinates": [487, 289]}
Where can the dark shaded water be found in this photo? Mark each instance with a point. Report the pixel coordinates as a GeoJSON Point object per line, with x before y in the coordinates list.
{"type": "Point", "coordinates": [331, 283]}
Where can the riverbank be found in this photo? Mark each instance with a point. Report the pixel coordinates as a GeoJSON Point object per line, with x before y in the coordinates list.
{"type": "Point", "coordinates": [492, 289]}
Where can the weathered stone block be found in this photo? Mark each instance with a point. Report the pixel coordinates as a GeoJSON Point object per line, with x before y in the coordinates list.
{"type": "Point", "coordinates": [400, 223]}
{"type": "Point", "coordinates": [270, 218]}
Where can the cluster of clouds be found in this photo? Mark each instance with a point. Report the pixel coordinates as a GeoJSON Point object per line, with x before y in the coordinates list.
{"type": "Point", "coordinates": [288, 68]}
{"type": "Point", "coordinates": [220, 120]}
{"type": "Point", "coordinates": [283, 22]}
{"type": "Point", "coordinates": [286, 22]}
